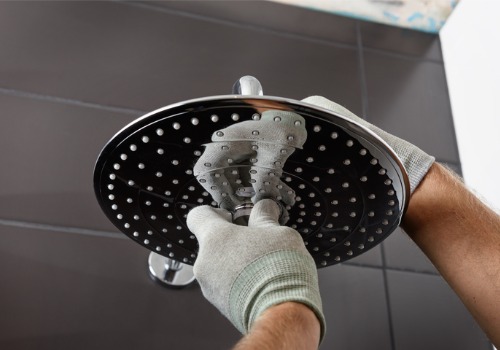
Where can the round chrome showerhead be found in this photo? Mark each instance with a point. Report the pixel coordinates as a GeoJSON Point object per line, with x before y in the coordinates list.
{"type": "Point", "coordinates": [351, 189]}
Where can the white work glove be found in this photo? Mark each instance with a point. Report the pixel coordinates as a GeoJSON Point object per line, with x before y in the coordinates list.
{"type": "Point", "coordinates": [261, 148]}
{"type": "Point", "coordinates": [416, 162]}
{"type": "Point", "coordinates": [243, 270]}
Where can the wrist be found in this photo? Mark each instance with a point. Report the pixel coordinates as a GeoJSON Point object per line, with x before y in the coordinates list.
{"type": "Point", "coordinates": [276, 278]}
{"type": "Point", "coordinates": [289, 325]}
{"type": "Point", "coordinates": [433, 201]}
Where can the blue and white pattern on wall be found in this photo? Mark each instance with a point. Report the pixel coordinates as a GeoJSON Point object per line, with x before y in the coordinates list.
{"type": "Point", "coordinates": [425, 15]}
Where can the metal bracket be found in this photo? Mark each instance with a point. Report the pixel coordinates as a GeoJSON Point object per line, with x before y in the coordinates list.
{"type": "Point", "coordinates": [169, 272]}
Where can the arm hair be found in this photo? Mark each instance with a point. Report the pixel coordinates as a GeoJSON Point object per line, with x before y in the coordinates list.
{"type": "Point", "coordinates": [461, 236]}
{"type": "Point", "coordinates": [286, 326]}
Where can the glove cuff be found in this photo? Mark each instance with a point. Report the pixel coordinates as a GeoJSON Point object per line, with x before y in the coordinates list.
{"type": "Point", "coordinates": [416, 162]}
{"type": "Point", "coordinates": [273, 279]}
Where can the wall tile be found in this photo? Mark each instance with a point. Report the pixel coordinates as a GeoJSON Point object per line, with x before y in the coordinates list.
{"type": "Point", "coordinates": [409, 99]}
{"type": "Point", "coordinates": [121, 55]}
{"type": "Point", "coordinates": [47, 164]}
{"type": "Point", "coordinates": [68, 291]}
{"type": "Point", "coordinates": [400, 41]}
{"type": "Point", "coordinates": [355, 308]}
{"type": "Point", "coordinates": [426, 314]}
{"type": "Point", "coordinates": [266, 15]}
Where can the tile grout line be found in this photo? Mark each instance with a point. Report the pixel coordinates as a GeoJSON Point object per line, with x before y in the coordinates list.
{"type": "Point", "coordinates": [64, 229]}
{"type": "Point", "coordinates": [72, 102]}
{"type": "Point", "coordinates": [235, 24]}
{"type": "Point", "coordinates": [362, 75]}
{"type": "Point", "coordinates": [402, 56]}
{"type": "Point", "coordinates": [273, 31]}
{"type": "Point", "coordinates": [359, 47]}
{"type": "Point", "coordinates": [387, 298]}
{"type": "Point", "coordinates": [68, 101]}
{"type": "Point", "coordinates": [368, 266]}
{"type": "Point", "coordinates": [108, 234]}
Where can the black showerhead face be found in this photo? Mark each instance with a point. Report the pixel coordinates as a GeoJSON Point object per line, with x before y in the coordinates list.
{"type": "Point", "coordinates": [351, 189]}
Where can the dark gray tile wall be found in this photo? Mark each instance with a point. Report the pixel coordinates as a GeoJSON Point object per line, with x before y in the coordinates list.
{"type": "Point", "coordinates": [399, 41]}
{"type": "Point", "coordinates": [74, 73]}
{"type": "Point", "coordinates": [73, 291]}
{"type": "Point", "coordinates": [267, 17]}
{"type": "Point", "coordinates": [443, 322]}
{"type": "Point", "coordinates": [354, 301]}
{"type": "Point", "coordinates": [145, 59]}
{"type": "Point", "coordinates": [413, 104]}
{"type": "Point", "coordinates": [54, 147]}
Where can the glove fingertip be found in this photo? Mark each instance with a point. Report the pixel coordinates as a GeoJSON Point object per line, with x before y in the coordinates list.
{"type": "Point", "coordinates": [266, 212]}
{"type": "Point", "coordinates": [195, 215]}
{"type": "Point", "coordinates": [201, 219]}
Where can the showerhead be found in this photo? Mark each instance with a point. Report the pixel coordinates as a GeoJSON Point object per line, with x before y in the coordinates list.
{"type": "Point", "coordinates": [351, 190]}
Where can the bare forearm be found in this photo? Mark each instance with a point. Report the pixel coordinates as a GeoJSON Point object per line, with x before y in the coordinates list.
{"type": "Point", "coordinates": [461, 236]}
{"type": "Point", "coordinates": [291, 326]}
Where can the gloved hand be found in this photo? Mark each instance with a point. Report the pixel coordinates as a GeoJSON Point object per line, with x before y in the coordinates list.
{"type": "Point", "coordinates": [416, 162]}
{"type": "Point", "coordinates": [245, 270]}
{"type": "Point", "coordinates": [246, 159]}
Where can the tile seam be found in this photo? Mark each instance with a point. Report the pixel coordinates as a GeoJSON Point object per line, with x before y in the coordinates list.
{"type": "Point", "coordinates": [269, 30]}
{"type": "Point", "coordinates": [387, 299]}
{"type": "Point", "coordinates": [402, 56]}
{"type": "Point", "coordinates": [63, 229]}
{"type": "Point", "coordinates": [236, 24]}
{"type": "Point", "coordinates": [73, 102]}
{"type": "Point", "coordinates": [68, 101]}
{"type": "Point", "coordinates": [109, 234]}
{"type": "Point", "coordinates": [377, 267]}
{"type": "Point", "coordinates": [362, 73]}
